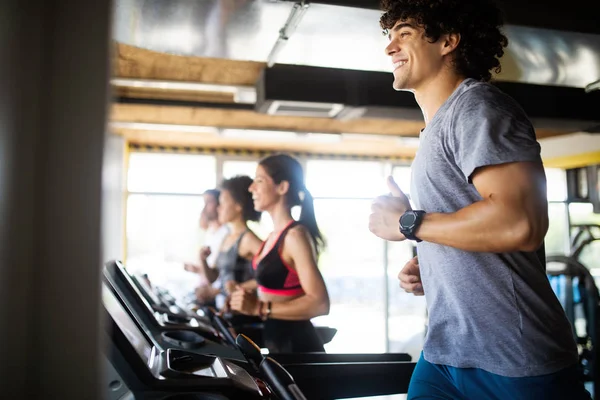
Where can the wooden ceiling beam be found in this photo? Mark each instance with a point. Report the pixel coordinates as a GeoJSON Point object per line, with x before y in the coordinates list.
{"type": "Point", "coordinates": [134, 62]}
{"type": "Point", "coordinates": [243, 119]}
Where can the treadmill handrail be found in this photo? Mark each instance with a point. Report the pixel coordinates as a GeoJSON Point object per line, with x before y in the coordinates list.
{"type": "Point", "coordinates": [304, 358]}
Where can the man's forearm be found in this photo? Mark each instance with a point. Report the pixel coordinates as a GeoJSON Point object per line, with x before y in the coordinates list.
{"type": "Point", "coordinates": [485, 226]}
{"type": "Point", "coordinates": [210, 273]}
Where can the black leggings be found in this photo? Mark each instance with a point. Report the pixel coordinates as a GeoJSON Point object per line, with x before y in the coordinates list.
{"type": "Point", "coordinates": [282, 336]}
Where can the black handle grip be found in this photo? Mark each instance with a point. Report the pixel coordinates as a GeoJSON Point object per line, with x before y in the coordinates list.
{"type": "Point", "coordinates": [280, 380]}
{"type": "Point", "coordinates": [224, 327]}
{"type": "Point", "coordinates": [250, 349]}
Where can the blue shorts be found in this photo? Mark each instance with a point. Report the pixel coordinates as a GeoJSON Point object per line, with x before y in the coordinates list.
{"type": "Point", "coordinates": [433, 381]}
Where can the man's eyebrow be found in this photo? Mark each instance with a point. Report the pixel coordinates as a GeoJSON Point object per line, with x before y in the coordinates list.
{"type": "Point", "coordinates": [403, 25]}
{"type": "Point", "coordinates": [386, 32]}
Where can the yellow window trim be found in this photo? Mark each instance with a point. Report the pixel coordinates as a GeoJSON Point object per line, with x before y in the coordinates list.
{"type": "Point", "coordinates": [573, 161]}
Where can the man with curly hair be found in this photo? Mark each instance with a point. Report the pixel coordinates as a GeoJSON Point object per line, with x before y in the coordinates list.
{"type": "Point", "coordinates": [496, 328]}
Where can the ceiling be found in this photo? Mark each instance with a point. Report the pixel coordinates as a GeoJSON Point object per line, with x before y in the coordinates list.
{"type": "Point", "coordinates": [332, 36]}
{"type": "Point", "coordinates": [185, 65]}
{"type": "Point", "coordinates": [135, 63]}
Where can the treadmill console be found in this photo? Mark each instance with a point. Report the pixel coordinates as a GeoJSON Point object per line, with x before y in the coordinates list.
{"type": "Point", "coordinates": [174, 368]}
{"type": "Point", "coordinates": [165, 310]}
{"type": "Point", "coordinates": [136, 337]}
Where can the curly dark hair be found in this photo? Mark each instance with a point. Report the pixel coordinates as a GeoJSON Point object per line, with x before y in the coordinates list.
{"type": "Point", "coordinates": [477, 21]}
{"type": "Point", "coordinates": [238, 189]}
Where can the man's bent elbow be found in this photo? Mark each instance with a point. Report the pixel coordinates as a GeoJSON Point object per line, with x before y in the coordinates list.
{"type": "Point", "coordinates": [530, 235]}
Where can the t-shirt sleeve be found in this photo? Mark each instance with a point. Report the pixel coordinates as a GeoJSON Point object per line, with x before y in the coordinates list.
{"type": "Point", "coordinates": [489, 128]}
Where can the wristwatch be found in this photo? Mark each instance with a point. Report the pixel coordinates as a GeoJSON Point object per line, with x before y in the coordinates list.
{"type": "Point", "coordinates": [410, 222]}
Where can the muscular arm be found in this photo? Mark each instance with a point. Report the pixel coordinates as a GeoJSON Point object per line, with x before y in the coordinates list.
{"type": "Point", "coordinates": [512, 215]}
{"type": "Point", "coordinates": [299, 249]}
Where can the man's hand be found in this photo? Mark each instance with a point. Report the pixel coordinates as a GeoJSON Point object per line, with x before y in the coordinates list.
{"type": "Point", "coordinates": [191, 268]}
{"type": "Point", "coordinates": [205, 293]}
{"type": "Point", "coordinates": [410, 278]}
{"type": "Point", "coordinates": [386, 212]}
{"type": "Point", "coordinates": [204, 253]}
{"type": "Point", "coordinates": [244, 301]}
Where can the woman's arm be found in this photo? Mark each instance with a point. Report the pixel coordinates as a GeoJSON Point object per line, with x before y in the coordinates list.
{"type": "Point", "coordinates": [249, 245]}
{"type": "Point", "coordinates": [249, 285]}
{"type": "Point", "coordinates": [231, 286]}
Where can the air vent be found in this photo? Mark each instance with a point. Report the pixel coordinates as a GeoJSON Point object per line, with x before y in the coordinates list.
{"type": "Point", "coordinates": [304, 109]}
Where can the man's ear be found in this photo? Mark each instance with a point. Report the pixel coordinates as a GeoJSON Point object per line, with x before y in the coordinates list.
{"type": "Point", "coordinates": [283, 187]}
{"type": "Point", "coordinates": [449, 42]}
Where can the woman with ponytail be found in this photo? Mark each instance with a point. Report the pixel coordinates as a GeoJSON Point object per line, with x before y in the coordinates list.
{"type": "Point", "coordinates": [291, 290]}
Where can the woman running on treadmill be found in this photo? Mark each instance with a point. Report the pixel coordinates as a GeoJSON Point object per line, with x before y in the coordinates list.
{"type": "Point", "coordinates": [291, 289]}
{"type": "Point", "coordinates": [233, 262]}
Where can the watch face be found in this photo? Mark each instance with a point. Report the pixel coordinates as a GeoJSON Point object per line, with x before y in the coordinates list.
{"type": "Point", "coordinates": [408, 219]}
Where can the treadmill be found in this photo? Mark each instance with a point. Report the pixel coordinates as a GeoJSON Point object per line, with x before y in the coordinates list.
{"type": "Point", "coordinates": [166, 308]}
{"type": "Point", "coordinates": [145, 371]}
{"type": "Point", "coordinates": [317, 375]}
{"type": "Point", "coordinates": [186, 329]}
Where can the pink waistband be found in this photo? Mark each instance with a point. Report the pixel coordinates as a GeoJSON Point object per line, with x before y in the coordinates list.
{"type": "Point", "coordinates": [282, 292]}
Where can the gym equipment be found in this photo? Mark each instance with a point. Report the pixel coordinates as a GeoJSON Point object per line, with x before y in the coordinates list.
{"type": "Point", "coordinates": [199, 360]}
{"type": "Point", "coordinates": [151, 372]}
{"type": "Point", "coordinates": [583, 235]}
{"type": "Point", "coordinates": [576, 289]}
{"type": "Point", "coordinates": [202, 335]}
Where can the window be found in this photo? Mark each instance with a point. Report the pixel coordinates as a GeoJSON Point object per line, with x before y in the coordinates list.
{"type": "Point", "coordinates": [345, 179]}
{"type": "Point", "coordinates": [353, 269]}
{"type": "Point", "coordinates": [163, 233]}
{"type": "Point", "coordinates": [557, 237]}
{"type": "Point", "coordinates": [402, 176]}
{"type": "Point", "coordinates": [556, 184]}
{"type": "Point", "coordinates": [232, 168]}
{"type": "Point", "coordinates": [163, 210]}
{"type": "Point", "coordinates": [407, 313]}
{"type": "Point", "coordinates": [353, 264]}
{"type": "Point", "coordinates": [583, 213]}
{"type": "Point", "coordinates": [170, 173]}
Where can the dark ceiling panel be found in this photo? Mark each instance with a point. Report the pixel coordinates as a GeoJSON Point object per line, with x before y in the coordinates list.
{"type": "Point", "coordinates": [372, 91]}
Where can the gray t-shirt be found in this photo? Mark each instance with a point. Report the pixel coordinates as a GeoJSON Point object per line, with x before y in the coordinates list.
{"type": "Point", "coordinates": [491, 311]}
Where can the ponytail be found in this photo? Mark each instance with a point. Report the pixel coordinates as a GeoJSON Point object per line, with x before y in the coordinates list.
{"type": "Point", "coordinates": [308, 219]}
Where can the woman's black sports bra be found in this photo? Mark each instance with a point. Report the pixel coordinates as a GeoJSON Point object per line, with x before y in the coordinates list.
{"type": "Point", "coordinates": [272, 274]}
